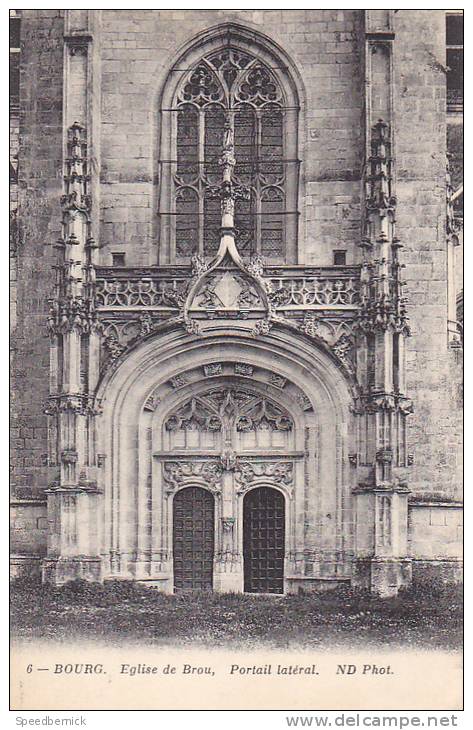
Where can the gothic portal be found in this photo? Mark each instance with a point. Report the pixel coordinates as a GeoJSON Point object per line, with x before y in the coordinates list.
{"type": "Point", "coordinates": [219, 467]}
{"type": "Point", "coordinates": [217, 225]}
{"type": "Point", "coordinates": [227, 459]}
{"type": "Point", "coordinates": [250, 420]}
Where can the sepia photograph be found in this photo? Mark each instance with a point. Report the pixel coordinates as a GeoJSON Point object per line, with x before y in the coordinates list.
{"type": "Point", "coordinates": [236, 291]}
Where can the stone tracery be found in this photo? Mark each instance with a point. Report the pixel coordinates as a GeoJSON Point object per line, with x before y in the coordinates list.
{"type": "Point", "coordinates": [222, 408]}
{"type": "Point", "coordinates": [230, 95]}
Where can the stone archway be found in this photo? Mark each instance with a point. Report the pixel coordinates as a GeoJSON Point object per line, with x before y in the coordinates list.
{"type": "Point", "coordinates": [144, 469]}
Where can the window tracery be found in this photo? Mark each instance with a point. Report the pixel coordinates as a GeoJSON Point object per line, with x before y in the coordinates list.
{"type": "Point", "coordinates": [221, 409]}
{"type": "Point", "coordinates": [231, 87]}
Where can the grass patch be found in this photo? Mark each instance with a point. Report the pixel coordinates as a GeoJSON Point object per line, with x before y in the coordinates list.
{"type": "Point", "coordinates": [425, 616]}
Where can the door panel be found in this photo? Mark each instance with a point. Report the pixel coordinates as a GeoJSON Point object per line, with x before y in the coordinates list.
{"type": "Point", "coordinates": [193, 539]}
{"type": "Point", "coordinates": [263, 541]}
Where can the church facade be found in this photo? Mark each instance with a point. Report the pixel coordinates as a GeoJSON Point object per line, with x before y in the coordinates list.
{"type": "Point", "coordinates": [236, 361]}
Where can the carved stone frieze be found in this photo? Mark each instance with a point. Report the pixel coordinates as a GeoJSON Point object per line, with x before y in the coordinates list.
{"type": "Point", "coordinates": [326, 288]}
{"type": "Point", "coordinates": [213, 369]}
{"type": "Point", "coordinates": [178, 381]}
{"type": "Point", "coordinates": [179, 473]}
{"type": "Point", "coordinates": [243, 369]}
{"type": "Point", "coordinates": [79, 403]}
{"type": "Point", "coordinates": [247, 473]}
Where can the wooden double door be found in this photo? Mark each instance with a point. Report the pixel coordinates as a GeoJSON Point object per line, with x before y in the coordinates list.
{"type": "Point", "coordinates": [263, 540]}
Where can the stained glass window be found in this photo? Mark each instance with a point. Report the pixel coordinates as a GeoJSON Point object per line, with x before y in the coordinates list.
{"type": "Point", "coordinates": [454, 37]}
{"type": "Point", "coordinates": [230, 87]}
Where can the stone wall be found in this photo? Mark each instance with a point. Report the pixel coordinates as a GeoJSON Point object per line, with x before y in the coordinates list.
{"type": "Point", "coordinates": [40, 188]}
{"type": "Point", "coordinates": [432, 373]}
{"type": "Point", "coordinates": [137, 52]}
{"type": "Point", "coordinates": [435, 531]}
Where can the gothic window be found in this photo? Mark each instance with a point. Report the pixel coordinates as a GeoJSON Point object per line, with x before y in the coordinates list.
{"type": "Point", "coordinates": [14, 123]}
{"type": "Point", "coordinates": [454, 33]}
{"type": "Point", "coordinates": [14, 58]}
{"type": "Point", "coordinates": [231, 87]}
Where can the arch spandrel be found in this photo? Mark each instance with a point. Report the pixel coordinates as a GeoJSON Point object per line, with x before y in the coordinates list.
{"type": "Point", "coordinates": [162, 357]}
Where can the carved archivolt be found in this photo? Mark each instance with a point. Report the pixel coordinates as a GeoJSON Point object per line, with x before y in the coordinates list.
{"type": "Point", "coordinates": [224, 408]}
{"type": "Point", "coordinates": [152, 402]}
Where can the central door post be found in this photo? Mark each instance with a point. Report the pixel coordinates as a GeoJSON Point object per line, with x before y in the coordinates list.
{"type": "Point", "coordinates": [228, 558]}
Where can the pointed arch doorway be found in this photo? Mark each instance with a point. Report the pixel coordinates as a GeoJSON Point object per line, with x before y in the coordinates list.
{"type": "Point", "coordinates": [225, 448]}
